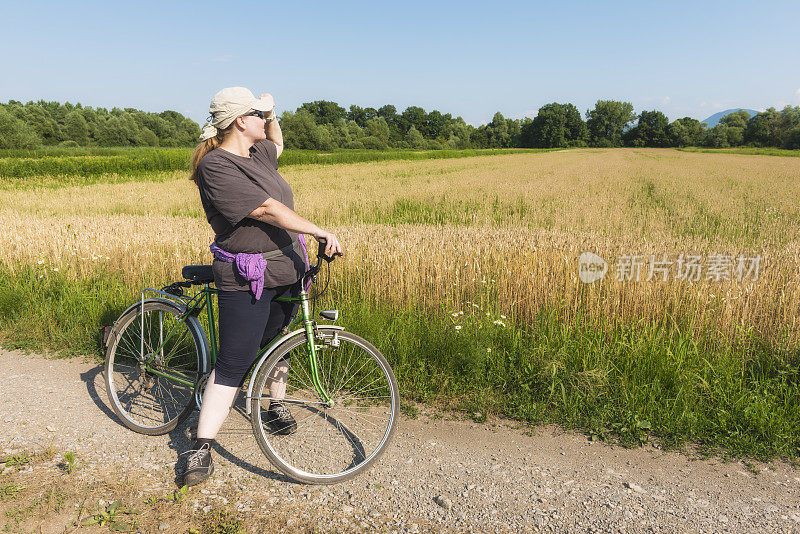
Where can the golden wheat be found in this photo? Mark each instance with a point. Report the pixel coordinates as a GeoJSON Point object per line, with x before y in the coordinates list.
{"type": "Point", "coordinates": [610, 202]}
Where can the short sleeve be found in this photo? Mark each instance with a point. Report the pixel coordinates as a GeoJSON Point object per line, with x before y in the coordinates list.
{"type": "Point", "coordinates": [231, 192]}
{"type": "Point", "coordinates": [268, 148]}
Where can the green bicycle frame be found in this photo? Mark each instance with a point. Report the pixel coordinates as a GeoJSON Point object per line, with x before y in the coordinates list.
{"type": "Point", "coordinates": [196, 304]}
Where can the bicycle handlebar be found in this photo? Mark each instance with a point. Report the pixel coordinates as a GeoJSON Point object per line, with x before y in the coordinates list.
{"type": "Point", "coordinates": [321, 251]}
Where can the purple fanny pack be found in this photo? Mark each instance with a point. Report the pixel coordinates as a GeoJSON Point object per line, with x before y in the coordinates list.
{"type": "Point", "coordinates": [252, 266]}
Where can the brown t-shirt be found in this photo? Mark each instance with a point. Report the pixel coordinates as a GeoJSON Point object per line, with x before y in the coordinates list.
{"type": "Point", "coordinates": [231, 187]}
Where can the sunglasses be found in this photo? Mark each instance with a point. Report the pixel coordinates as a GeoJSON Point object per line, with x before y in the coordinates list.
{"type": "Point", "coordinates": [255, 112]}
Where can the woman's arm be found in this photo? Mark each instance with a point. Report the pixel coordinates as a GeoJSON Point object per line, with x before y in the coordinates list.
{"type": "Point", "coordinates": [278, 214]}
{"type": "Point", "coordinates": [273, 130]}
{"type": "Point", "coordinates": [274, 134]}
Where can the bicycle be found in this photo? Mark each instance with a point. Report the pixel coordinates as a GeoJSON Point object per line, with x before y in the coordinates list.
{"type": "Point", "coordinates": [339, 388]}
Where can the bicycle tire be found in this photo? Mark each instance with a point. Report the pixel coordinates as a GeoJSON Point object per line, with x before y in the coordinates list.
{"type": "Point", "coordinates": [146, 402]}
{"type": "Point", "coordinates": [357, 428]}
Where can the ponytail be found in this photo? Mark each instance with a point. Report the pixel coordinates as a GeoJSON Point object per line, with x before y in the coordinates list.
{"type": "Point", "coordinates": [205, 147]}
{"type": "Point", "coordinates": [200, 151]}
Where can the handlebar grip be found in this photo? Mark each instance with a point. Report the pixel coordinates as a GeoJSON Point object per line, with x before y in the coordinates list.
{"type": "Point", "coordinates": [321, 250]}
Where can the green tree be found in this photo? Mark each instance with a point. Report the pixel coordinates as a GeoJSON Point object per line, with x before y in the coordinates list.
{"type": "Point", "coordinates": [188, 132]}
{"type": "Point", "coordinates": [354, 131]}
{"type": "Point", "coordinates": [45, 126]}
{"type": "Point", "coordinates": [388, 112]}
{"type": "Point", "coordinates": [301, 131]}
{"type": "Point", "coordinates": [75, 127]}
{"type": "Point", "coordinates": [436, 124]}
{"type": "Point", "coordinates": [373, 143]}
{"type": "Point", "coordinates": [497, 134]}
{"type": "Point", "coordinates": [340, 133]}
{"type": "Point", "coordinates": [737, 119]}
{"type": "Point", "coordinates": [413, 116]}
{"type": "Point", "coordinates": [324, 111]}
{"type": "Point", "coordinates": [793, 139]}
{"type": "Point", "coordinates": [415, 139]}
{"type": "Point", "coordinates": [460, 134]}
{"type": "Point", "coordinates": [378, 128]}
{"type": "Point", "coordinates": [686, 132]}
{"type": "Point", "coordinates": [146, 137]}
{"type": "Point", "coordinates": [15, 133]}
{"type": "Point", "coordinates": [764, 128]}
{"type": "Point", "coordinates": [789, 123]}
{"type": "Point", "coordinates": [479, 138]}
{"type": "Point", "coordinates": [607, 121]}
{"type": "Point", "coordinates": [718, 136]}
{"type": "Point", "coordinates": [651, 130]}
{"type": "Point", "coordinates": [357, 115]}
{"type": "Point", "coordinates": [736, 123]}
{"type": "Point", "coordinates": [113, 132]}
{"type": "Point", "coordinates": [556, 125]}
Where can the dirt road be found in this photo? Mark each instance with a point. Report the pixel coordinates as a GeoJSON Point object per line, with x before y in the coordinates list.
{"type": "Point", "coordinates": [439, 474]}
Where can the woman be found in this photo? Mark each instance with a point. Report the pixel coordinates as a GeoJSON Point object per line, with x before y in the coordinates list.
{"type": "Point", "coordinates": [257, 254]}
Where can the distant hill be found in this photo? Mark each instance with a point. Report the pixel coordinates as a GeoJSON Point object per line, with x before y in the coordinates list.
{"type": "Point", "coordinates": [713, 120]}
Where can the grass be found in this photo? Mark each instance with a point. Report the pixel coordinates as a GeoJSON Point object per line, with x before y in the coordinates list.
{"type": "Point", "coordinates": [434, 246]}
{"type": "Point", "coordinates": [753, 151]}
{"type": "Point", "coordinates": [132, 162]}
{"type": "Point", "coordinates": [69, 464]}
{"type": "Point", "coordinates": [115, 516]}
{"type": "Point", "coordinates": [84, 165]}
{"type": "Point", "coordinates": [10, 491]}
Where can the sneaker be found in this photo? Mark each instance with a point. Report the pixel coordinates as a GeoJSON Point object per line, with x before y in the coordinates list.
{"type": "Point", "coordinates": [280, 419]}
{"type": "Point", "coordinates": [199, 466]}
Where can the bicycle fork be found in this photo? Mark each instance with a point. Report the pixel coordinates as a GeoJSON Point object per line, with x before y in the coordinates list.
{"type": "Point", "coordinates": [308, 324]}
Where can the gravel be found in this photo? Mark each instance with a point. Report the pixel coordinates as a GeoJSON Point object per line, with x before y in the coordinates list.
{"type": "Point", "coordinates": [439, 474]}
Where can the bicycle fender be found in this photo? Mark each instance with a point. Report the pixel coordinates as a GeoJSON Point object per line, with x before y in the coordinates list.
{"type": "Point", "coordinates": [272, 348]}
{"type": "Point", "coordinates": [139, 303]}
{"type": "Point", "coordinates": [204, 348]}
{"type": "Point", "coordinates": [112, 335]}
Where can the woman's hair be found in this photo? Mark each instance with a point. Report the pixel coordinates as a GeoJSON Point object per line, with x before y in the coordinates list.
{"type": "Point", "coordinates": [205, 147]}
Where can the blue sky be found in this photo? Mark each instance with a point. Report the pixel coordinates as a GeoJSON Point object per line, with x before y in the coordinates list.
{"type": "Point", "coordinates": [466, 58]}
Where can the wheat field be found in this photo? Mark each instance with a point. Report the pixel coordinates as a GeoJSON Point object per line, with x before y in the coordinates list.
{"type": "Point", "coordinates": [507, 230]}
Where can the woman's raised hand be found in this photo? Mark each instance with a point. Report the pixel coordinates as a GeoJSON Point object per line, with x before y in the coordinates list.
{"type": "Point", "coordinates": [268, 97]}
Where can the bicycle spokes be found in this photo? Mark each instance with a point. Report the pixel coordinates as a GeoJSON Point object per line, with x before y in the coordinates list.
{"type": "Point", "coordinates": [338, 435]}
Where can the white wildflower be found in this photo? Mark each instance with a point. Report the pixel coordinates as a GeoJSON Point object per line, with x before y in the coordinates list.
{"type": "Point", "coordinates": [458, 327]}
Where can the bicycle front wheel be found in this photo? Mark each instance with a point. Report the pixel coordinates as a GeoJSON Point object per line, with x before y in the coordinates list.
{"type": "Point", "coordinates": [152, 367]}
{"type": "Point", "coordinates": [337, 439]}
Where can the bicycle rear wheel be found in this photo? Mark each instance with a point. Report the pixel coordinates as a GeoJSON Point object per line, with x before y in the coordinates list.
{"type": "Point", "coordinates": [152, 367]}
{"type": "Point", "coordinates": [333, 441]}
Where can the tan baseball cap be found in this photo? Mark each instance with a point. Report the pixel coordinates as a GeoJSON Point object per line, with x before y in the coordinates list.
{"type": "Point", "coordinates": [232, 102]}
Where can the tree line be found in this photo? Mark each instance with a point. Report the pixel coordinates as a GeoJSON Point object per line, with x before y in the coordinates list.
{"type": "Point", "coordinates": [43, 123]}
{"type": "Point", "coordinates": [325, 125]}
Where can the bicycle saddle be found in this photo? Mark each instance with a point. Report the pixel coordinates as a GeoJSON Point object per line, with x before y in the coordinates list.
{"type": "Point", "coordinates": [200, 274]}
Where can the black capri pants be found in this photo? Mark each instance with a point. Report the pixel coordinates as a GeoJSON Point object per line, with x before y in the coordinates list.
{"type": "Point", "coordinates": [246, 325]}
